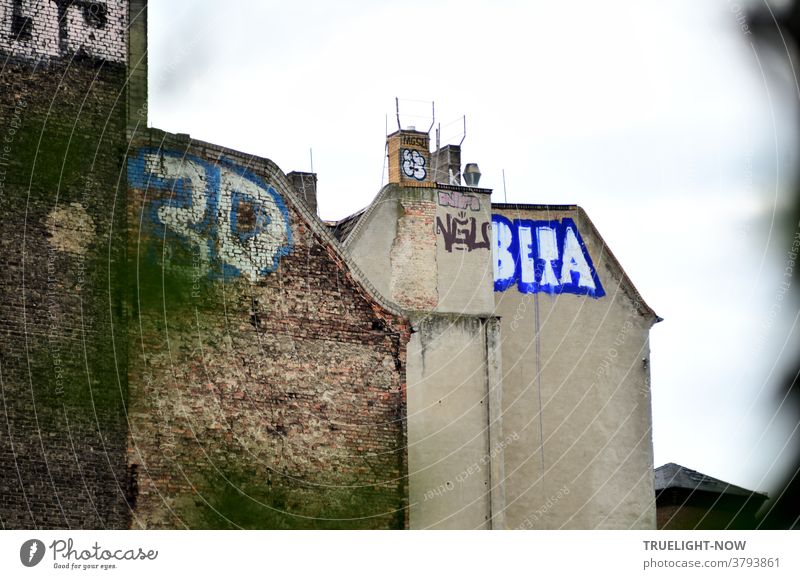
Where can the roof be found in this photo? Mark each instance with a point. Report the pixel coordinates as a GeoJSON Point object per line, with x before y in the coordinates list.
{"type": "Point", "coordinates": [341, 229]}
{"type": "Point", "coordinates": [533, 207]}
{"type": "Point", "coordinates": [344, 227]}
{"type": "Point", "coordinates": [675, 476]}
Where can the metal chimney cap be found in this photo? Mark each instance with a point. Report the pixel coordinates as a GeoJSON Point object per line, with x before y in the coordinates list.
{"type": "Point", "coordinates": [472, 175]}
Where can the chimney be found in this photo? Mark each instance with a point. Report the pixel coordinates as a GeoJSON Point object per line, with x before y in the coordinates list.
{"type": "Point", "coordinates": [305, 186]}
{"type": "Point", "coordinates": [446, 165]}
{"type": "Point", "coordinates": [409, 158]}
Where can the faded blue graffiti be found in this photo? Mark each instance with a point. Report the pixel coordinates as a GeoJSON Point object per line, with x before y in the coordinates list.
{"type": "Point", "coordinates": [236, 222]}
{"type": "Point", "coordinates": [542, 256]}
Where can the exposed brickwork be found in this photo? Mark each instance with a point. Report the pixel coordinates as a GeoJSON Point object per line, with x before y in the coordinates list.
{"type": "Point", "coordinates": [274, 404]}
{"type": "Point", "coordinates": [266, 384]}
{"type": "Point", "coordinates": [413, 256]}
{"type": "Point", "coordinates": [62, 149]}
{"type": "Point", "coordinates": [417, 171]}
{"type": "Point", "coordinates": [58, 28]}
{"type": "Point", "coordinates": [305, 188]}
{"type": "Point", "coordinates": [182, 344]}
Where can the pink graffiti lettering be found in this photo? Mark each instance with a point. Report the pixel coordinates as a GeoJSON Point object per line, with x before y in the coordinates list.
{"type": "Point", "coordinates": [459, 200]}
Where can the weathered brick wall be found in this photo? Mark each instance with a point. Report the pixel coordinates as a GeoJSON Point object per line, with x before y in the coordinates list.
{"type": "Point", "coordinates": [409, 158]}
{"type": "Point", "coordinates": [94, 29]}
{"type": "Point", "coordinates": [267, 387]}
{"type": "Point", "coordinates": [413, 257]}
{"type": "Point", "coordinates": [62, 370]}
{"type": "Point", "coordinates": [266, 383]}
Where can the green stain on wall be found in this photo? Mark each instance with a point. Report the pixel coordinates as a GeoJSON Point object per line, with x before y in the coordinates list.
{"type": "Point", "coordinates": [64, 356]}
{"type": "Point", "coordinates": [166, 280]}
{"type": "Point", "coordinates": [239, 498]}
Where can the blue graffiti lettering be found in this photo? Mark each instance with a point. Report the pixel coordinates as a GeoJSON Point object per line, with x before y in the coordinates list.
{"type": "Point", "coordinates": [238, 223]}
{"type": "Point", "coordinates": [542, 256]}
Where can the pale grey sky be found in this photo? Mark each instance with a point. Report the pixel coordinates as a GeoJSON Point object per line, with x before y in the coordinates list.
{"type": "Point", "coordinates": [656, 117]}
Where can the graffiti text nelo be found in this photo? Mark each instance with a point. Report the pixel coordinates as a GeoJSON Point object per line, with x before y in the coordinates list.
{"type": "Point", "coordinates": [463, 232]}
{"type": "Point", "coordinates": [542, 256]}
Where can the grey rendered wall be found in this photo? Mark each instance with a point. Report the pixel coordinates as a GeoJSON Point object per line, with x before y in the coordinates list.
{"type": "Point", "coordinates": [576, 401]}
{"type": "Point", "coordinates": [428, 249]}
{"type": "Point", "coordinates": [449, 455]}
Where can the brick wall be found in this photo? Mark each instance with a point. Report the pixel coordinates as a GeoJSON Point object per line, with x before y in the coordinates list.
{"type": "Point", "coordinates": [62, 365]}
{"type": "Point", "coordinates": [413, 256]}
{"type": "Point", "coordinates": [409, 158]}
{"type": "Point", "coordinates": [267, 386]}
{"type": "Point", "coordinates": [94, 29]}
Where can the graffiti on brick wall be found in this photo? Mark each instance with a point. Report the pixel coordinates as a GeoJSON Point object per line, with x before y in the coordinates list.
{"type": "Point", "coordinates": [459, 200]}
{"type": "Point", "coordinates": [36, 28]}
{"type": "Point", "coordinates": [413, 164]}
{"type": "Point", "coordinates": [542, 256]}
{"type": "Point", "coordinates": [237, 223]}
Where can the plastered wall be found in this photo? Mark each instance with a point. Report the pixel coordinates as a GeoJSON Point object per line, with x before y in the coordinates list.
{"type": "Point", "coordinates": [576, 393]}
{"type": "Point", "coordinates": [428, 248]}
{"type": "Point", "coordinates": [450, 458]}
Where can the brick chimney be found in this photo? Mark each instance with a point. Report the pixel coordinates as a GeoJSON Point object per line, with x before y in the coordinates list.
{"type": "Point", "coordinates": [305, 186]}
{"type": "Point", "coordinates": [409, 158]}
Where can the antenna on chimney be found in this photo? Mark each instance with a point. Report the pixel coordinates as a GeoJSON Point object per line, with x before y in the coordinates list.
{"type": "Point", "coordinates": [412, 127]}
{"type": "Point", "coordinates": [465, 131]}
{"type": "Point", "coordinates": [436, 165]}
{"type": "Point", "coordinates": [311, 156]}
{"type": "Point", "coordinates": [505, 197]}
{"type": "Point", "coordinates": [385, 162]}
{"type": "Point", "coordinates": [397, 111]}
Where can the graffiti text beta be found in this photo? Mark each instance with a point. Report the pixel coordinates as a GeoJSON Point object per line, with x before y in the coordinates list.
{"type": "Point", "coordinates": [542, 256]}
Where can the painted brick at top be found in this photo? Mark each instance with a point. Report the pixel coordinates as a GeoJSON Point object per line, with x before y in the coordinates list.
{"type": "Point", "coordinates": [48, 28]}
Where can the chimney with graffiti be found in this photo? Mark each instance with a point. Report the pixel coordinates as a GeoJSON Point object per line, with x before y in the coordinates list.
{"type": "Point", "coordinates": [426, 245]}
{"type": "Point", "coordinates": [409, 157]}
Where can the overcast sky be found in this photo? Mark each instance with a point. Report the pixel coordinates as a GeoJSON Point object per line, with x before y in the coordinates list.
{"type": "Point", "coordinates": [662, 119]}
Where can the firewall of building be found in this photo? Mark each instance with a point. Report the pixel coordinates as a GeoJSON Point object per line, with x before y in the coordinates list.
{"type": "Point", "coordinates": [185, 344]}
